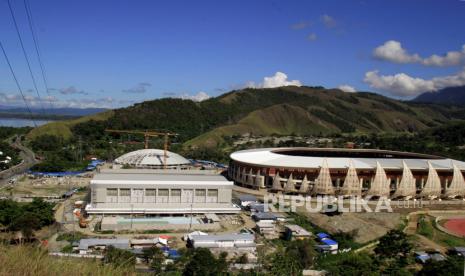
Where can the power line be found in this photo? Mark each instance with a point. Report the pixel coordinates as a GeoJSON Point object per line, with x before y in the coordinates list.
{"type": "Point", "coordinates": [25, 55]}
{"type": "Point", "coordinates": [17, 83]}
{"type": "Point", "coordinates": [36, 45]}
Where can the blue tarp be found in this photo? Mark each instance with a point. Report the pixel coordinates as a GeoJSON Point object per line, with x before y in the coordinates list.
{"type": "Point", "coordinates": [57, 174]}
{"type": "Point", "coordinates": [173, 253]}
{"type": "Point", "coordinates": [329, 242]}
{"type": "Point", "coordinates": [322, 235]}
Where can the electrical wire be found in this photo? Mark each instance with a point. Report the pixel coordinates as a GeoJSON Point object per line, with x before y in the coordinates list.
{"type": "Point", "coordinates": [36, 45]}
{"type": "Point", "coordinates": [25, 56]}
{"type": "Point", "coordinates": [17, 83]}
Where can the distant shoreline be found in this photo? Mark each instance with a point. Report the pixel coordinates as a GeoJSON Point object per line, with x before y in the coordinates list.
{"type": "Point", "coordinates": [35, 116]}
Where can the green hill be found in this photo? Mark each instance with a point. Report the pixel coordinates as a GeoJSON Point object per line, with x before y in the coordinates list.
{"type": "Point", "coordinates": [282, 111]}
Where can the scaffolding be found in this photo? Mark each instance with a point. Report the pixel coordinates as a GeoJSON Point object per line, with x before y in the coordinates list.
{"type": "Point", "coordinates": [457, 186]}
{"type": "Point", "coordinates": [289, 187]}
{"type": "Point", "coordinates": [380, 185]}
{"type": "Point", "coordinates": [323, 183]}
{"type": "Point", "coordinates": [432, 187]}
{"type": "Point", "coordinates": [304, 186]}
{"type": "Point", "coordinates": [277, 183]}
{"type": "Point", "coordinates": [407, 187]}
{"type": "Point", "coordinates": [351, 184]}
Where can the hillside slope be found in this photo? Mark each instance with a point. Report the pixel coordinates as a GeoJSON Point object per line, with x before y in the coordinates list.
{"type": "Point", "coordinates": [449, 95]}
{"type": "Point", "coordinates": [283, 111]}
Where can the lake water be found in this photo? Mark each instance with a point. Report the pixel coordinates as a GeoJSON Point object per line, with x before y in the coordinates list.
{"type": "Point", "coordinates": [16, 122]}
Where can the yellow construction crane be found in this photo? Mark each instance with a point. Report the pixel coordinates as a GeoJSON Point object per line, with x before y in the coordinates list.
{"type": "Point", "coordinates": [147, 134]}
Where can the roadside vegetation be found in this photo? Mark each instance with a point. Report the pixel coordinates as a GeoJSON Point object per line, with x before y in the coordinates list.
{"type": "Point", "coordinates": [25, 217]}
{"type": "Point", "coordinates": [32, 260]}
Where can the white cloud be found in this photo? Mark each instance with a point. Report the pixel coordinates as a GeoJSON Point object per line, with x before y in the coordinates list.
{"type": "Point", "coordinates": [328, 21]}
{"type": "Point", "coordinates": [277, 80]}
{"type": "Point", "coordinates": [347, 88]}
{"type": "Point", "coordinates": [201, 96]}
{"type": "Point", "coordinates": [393, 51]}
{"type": "Point", "coordinates": [16, 100]}
{"type": "Point", "coordinates": [404, 85]}
{"type": "Point", "coordinates": [312, 37]}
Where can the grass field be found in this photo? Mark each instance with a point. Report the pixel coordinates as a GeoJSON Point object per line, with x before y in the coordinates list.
{"type": "Point", "coordinates": [63, 128]}
{"type": "Point", "coordinates": [28, 260]}
{"type": "Point", "coordinates": [427, 228]}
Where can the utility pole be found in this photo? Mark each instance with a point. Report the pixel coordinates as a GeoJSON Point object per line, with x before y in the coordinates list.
{"type": "Point", "coordinates": [190, 224]}
{"type": "Point", "coordinates": [132, 214]}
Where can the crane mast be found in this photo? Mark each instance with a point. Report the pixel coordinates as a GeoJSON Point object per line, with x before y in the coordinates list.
{"type": "Point", "coordinates": [147, 134]}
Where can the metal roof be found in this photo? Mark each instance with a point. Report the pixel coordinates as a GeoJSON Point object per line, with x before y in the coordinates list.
{"type": "Point", "coordinates": [156, 178]}
{"type": "Point", "coordinates": [84, 244]}
{"type": "Point", "coordinates": [225, 237]}
{"type": "Point", "coordinates": [274, 157]}
{"type": "Point", "coordinates": [246, 197]}
{"type": "Point", "coordinates": [265, 216]}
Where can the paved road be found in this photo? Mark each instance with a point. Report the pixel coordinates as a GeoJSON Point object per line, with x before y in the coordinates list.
{"type": "Point", "coordinates": [27, 156]}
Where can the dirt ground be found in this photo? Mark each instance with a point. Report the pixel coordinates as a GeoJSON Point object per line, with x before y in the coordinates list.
{"type": "Point", "coordinates": [44, 186]}
{"type": "Point", "coordinates": [366, 226]}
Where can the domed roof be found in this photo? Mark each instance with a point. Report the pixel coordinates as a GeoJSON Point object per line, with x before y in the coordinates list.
{"type": "Point", "coordinates": [151, 158]}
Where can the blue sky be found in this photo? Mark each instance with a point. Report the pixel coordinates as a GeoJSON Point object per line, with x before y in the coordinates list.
{"type": "Point", "coordinates": [113, 53]}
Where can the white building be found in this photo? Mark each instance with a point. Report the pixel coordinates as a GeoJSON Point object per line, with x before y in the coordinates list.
{"type": "Point", "coordinates": [129, 191]}
{"type": "Point", "coordinates": [227, 241]}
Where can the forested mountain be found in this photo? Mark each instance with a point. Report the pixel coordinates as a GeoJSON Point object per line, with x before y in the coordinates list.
{"type": "Point", "coordinates": [449, 95]}
{"type": "Point", "coordinates": [282, 111]}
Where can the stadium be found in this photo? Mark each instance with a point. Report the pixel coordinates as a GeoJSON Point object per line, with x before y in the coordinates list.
{"type": "Point", "coordinates": [331, 171]}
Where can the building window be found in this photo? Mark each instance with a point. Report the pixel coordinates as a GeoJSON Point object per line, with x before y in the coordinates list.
{"type": "Point", "coordinates": [125, 192]}
{"type": "Point", "coordinates": [212, 196]}
{"type": "Point", "coordinates": [112, 192]}
{"type": "Point", "coordinates": [150, 192]}
{"type": "Point", "coordinates": [200, 193]}
{"type": "Point", "coordinates": [176, 192]}
{"type": "Point", "coordinates": [175, 195]}
{"type": "Point", "coordinates": [213, 193]}
{"type": "Point", "coordinates": [163, 195]}
{"type": "Point", "coordinates": [163, 192]}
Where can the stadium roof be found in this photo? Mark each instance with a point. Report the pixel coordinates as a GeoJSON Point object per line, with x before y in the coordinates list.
{"type": "Point", "coordinates": [151, 157]}
{"type": "Point", "coordinates": [341, 158]}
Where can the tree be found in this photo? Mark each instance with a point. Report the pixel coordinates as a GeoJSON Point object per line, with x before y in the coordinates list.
{"type": "Point", "coordinates": [119, 257]}
{"type": "Point", "coordinates": [26, 223]}
{"type": "Point", "coordinates": [203, 263]}
{"type": "Point", "coordinates": [284, 263]}
{"type": "Point", "coordinates": [394, 244]}
{"type": "Point", "coordinates": [348, 264]}
{"type": "Point", "coordinates": [155, 257]}
{"type": "Point", "coordinates": [453, 265]}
